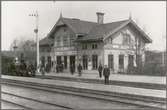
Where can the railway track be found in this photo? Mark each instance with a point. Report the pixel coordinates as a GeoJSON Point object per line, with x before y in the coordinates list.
{"type": "Point", "coordinates": [110, 97]}
{"type": "Point", "coordinates": [30, 102]}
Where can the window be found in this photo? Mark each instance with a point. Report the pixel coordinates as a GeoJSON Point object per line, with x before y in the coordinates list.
{"type": "Point", "coordinates": [94, 46]}
{"type": "Point", "coordinates": [126, 39]}
{"type": "Point", "coordinates": [111, 61]}
{"type": "Point", "coordinates": [121, 61]}
{"type": "Point", "coordinates": [84, 46]}
{"type": "Point", "coordinates": [72, 40]}
{"type": "Point", "coordinates": [65, 40]}
{"type": "Point", "coordinates": [58, 41]}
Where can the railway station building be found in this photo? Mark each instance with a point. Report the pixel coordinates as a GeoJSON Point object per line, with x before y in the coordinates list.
{"type": "Point", "coordinates": [73, 41]}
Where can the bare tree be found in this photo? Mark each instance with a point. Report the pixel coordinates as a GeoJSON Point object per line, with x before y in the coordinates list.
{"type": "Point", "coordinates": [23, 45]}
{"type": "Point", "coordinates": [25, 49]}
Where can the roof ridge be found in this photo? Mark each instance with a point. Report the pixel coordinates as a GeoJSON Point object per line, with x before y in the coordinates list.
{"type": "Point", "coordinates": [116, 21]}
{"type": "Point", "coordinates": [79, 20]}
{"type": "Point", "coordinates": [93, 21]}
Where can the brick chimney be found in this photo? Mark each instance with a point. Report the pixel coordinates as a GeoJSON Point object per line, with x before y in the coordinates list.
{"type": "Point", "coordinates": [100, 17]}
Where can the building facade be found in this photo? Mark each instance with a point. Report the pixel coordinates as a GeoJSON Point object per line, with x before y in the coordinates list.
{"type": "Point", "coordinates": [73, 41]}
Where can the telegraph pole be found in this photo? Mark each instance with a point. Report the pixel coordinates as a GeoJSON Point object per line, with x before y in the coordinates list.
{"type": "Point", "coordinates": [37, 39]}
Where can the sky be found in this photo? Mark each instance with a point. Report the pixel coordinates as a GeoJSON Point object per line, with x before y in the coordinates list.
{"type": "Point", "coordinates": [17, 24]}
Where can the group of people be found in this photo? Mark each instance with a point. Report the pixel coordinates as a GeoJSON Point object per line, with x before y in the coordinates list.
{"type": "Point", "coordinates": [102, 70]}
{"type": "Point", "coordinates": [59, 67]}
{"type": "Point", "coordinates": [106, 73]}
{"type": "Point", "coordinates": [79, 68]}
{"type": "Point", "coordinates": [22, 69]}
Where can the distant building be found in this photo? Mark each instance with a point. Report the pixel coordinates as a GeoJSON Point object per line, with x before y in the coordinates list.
{"type": "Point", "coordinates": [74, 41]}
{"type": "Point", "coordinates": [155, 57]}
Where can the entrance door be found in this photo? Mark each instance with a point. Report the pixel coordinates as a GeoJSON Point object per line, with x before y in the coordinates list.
{"type": "Point", "coordinates": [49, 64]}
{"type": "Point", "coordinates": [94, 61]}
{"type": "Point", "coordinates": [72, 61]}
{"type": "Point", "coordinates": [111, 61]}
{"type": "Point", "coordinates": [85, 62]}
{"type": "Point", "coordinates": [130, 60]}
{"type": "Point", "coordinates": [58, 60]}
{"type": "Point", "coordinates": [65, 62]}
{"type": "Point", "coordinates": [43, 61]}
{"type": "Point", "coordinates": [49, 60]}
{"type": "Point", "coordinates": [121, 62]}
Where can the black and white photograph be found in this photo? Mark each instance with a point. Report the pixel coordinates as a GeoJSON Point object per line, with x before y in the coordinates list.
{"type": "Point", "coordinates": [89, 55]}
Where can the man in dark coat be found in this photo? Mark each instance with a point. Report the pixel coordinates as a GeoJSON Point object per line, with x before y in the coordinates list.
{"type": "Point", "coordinates": [100, 68]}
{"type": "Point", "coordinates": [79, 69]}
{"type": "Point", "coordinates": [106, 74]}
{"type": "Point", "coordinates": [57, 68]}
{"type": "Point", "coordinates": [42, 70]}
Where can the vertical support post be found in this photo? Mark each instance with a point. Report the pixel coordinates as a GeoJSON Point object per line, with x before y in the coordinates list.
{"type": "Point", "coordinates": [37, 41]}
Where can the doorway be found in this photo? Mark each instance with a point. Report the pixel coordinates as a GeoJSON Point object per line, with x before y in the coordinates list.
{"type": "Point", "coordinates": [58, 60]}
{"type": "Point", "coordinates": [72, 61]}
{"type": "Point", "coordinates": [85, 62]}
{"type": "Point", "coordinates": [94, 61]}
{"type": "Point", "coordinates": [65, 62]}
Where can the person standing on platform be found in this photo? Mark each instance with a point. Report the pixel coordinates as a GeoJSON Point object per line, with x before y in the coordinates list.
{"type": "Point", "coordinates": [106, 74]}
{"type": "Point", "coordinates": [57, 68]}
{"type": "Point", "coordinates": [43, 70]}
{"type": "Point", "coordinates": [79, 69]}
{"type": "Point", "coordinates": [100, 68]}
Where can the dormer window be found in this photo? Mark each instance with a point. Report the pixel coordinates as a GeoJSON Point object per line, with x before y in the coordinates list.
{"type": "Point", "coordinates": [94, 46]}
{"type": "Point", "coordinates": [79, 36]}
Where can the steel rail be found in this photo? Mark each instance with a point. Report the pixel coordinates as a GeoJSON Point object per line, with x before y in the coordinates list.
{"type": "Point", "coordinates": [39, 101]}
{"type": "Point", "coordinates": [113, 94]}
{"type": "Point", "coordinates": [23, 107]}
{"type": "Point", "coordinates": [88, 95]}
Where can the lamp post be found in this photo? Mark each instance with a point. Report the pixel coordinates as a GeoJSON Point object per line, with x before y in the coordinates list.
{"type": "Point", "coordinates": [37, 40]}
{"type": "Point", "coordinates": [15, 51]}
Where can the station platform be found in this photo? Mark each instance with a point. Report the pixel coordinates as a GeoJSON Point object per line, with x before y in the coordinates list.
{"type": "Point", "coordinates": [114, 77]}
{"type": "Point", "coordinates": [97, 87]}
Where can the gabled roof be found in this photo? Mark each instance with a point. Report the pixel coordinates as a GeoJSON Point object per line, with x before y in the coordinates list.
{"type": "Point", "coordinates": [79, 26]}
{"type": "Point", "coordinates": [102, 29]}
{"type": "Point", "coordinates": [46, 41]}
{"type": "Point", "coordinates": [92, 30]}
